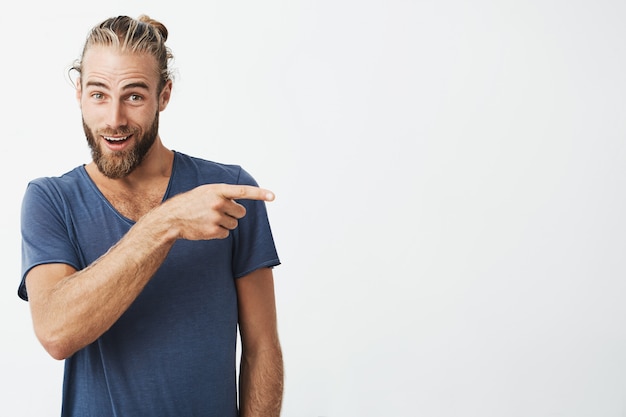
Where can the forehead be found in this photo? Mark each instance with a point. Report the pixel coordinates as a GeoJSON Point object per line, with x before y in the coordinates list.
{"type": "Point", "coordinates": [109, 64]}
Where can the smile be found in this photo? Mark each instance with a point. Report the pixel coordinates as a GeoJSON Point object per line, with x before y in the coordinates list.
{"type": "Point", "coordinates": [114, 139]}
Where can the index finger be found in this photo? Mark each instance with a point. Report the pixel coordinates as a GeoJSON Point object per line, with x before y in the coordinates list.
{"type": "Point", "coordinates": [245, 192]}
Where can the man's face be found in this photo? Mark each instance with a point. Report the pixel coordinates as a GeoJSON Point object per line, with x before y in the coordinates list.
{"type": "Point", "coordinates": [117, 93]}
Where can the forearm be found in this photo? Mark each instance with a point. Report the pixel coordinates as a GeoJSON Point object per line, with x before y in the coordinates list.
{"type": "Point", "coordinates": [261, 383]}
{"type": "Point", "coordinates": [79, 308]}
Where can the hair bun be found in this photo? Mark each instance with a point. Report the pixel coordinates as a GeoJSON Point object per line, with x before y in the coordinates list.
{"type": "Point", "coordinates": [158, 25]}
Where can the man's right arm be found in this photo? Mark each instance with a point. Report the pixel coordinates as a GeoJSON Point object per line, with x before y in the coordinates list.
{"type": "Point", "coordinates": [71, 309]}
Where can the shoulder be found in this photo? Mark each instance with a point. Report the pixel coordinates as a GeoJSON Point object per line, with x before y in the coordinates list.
{"type": "Point", "coordinates": [58, 186]}
{"type": "Point", "coordinates": [207, 171]}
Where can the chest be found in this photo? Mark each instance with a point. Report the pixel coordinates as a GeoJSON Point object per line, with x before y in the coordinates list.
{"type": "Point", "coordinates": [134, 205]}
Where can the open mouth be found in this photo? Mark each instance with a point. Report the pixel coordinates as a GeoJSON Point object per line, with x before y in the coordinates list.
{"type": "Point", "coordinates": [116, 139]}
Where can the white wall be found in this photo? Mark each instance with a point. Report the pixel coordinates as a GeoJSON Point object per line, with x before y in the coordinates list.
{"type": "Point", "coordinates": [450, 184]}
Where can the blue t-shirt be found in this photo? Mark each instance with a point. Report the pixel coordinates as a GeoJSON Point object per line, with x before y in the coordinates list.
{"type": "Point", "coordinates": [172, 353]}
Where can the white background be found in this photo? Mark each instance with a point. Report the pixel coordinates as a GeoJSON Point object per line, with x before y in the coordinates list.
{"type": "Point", "coordinates": [450, 181]}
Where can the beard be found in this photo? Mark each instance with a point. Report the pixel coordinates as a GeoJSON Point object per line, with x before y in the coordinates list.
{"type": "Point", "coordinates": [121, 163]}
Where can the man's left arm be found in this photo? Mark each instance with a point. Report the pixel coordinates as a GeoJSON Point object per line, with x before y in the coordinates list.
{"type": "Point", "coordinates": [261, 370]}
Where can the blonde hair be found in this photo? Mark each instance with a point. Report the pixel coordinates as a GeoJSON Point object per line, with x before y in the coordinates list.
{"type": "Point", "coordinates": [141, 35]}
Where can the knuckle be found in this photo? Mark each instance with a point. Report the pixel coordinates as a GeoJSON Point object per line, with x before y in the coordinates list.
{"type": "Point", "coordinates": [214, 230]}
{"type": "Point", "coordinates": [234, 224]}
{"type": "Point", "coordinates": [217, 203]}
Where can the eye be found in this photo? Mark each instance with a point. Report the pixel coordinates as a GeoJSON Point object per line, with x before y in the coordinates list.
{"type": "Point", "coordinates": [97, 96]}
{"type": "Point", "coordinates": [135, 97]}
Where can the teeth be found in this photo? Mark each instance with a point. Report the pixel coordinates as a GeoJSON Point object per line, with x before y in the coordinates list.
{"type": "Point", "coordinates": [110, 139]}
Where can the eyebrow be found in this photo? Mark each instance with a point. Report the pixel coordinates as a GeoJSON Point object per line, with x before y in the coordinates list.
{"type": "Point", "coordinates": [138, 84]}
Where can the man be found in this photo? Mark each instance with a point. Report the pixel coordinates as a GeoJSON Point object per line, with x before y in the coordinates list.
{"type": "Point", "coordinates": [140, 265]}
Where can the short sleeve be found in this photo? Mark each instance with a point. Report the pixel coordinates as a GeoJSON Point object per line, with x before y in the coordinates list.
{"type": "Point", "coordinates": [45, 231]}
{"type": "Point", "coordinates": [254, 243]}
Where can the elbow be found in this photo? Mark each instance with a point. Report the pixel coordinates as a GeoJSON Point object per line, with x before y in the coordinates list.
{"type": "Point", "coordinates": [57, 350]}
{"type": "Point", "coordinates": [57, 347]}
{"type": "Point", "coordinates": [57, 353]}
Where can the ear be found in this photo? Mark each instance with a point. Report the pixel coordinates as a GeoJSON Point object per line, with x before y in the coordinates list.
{"type": "Point", "coordinates": [164, 97]}
{"type": "Point", "coordinates": [79, 91]}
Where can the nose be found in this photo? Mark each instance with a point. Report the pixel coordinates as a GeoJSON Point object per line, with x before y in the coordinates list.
{"type": "Point", "coordinates": [117, 115]}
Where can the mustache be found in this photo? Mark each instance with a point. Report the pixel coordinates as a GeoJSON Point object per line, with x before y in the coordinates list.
{"type": "Point", "coordinates": [121, 131]}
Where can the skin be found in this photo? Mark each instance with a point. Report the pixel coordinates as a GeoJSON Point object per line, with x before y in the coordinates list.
{"type": "Point", "coordinates": [117, 94]}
